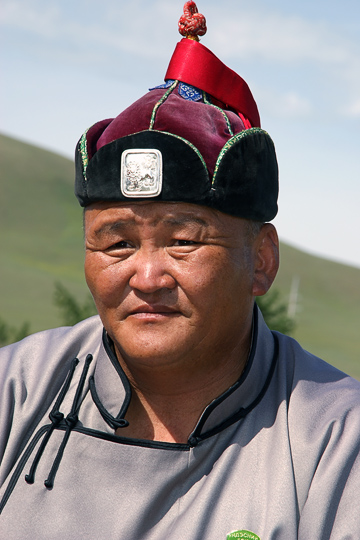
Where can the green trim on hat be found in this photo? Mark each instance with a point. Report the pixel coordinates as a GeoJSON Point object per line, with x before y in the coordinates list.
{"type": "Point", "coordinates": [245, 181]}
{"type": "Point", "coordinates": [230, 143]}
{"type": "Point", "coordinates": [84, 152]}
{"type": "Point", "coordinates": [185, 141]}
{"type": "Point", "coordinates": [160, 102]}
{"type": "Point", "coordinates": [208, 102]}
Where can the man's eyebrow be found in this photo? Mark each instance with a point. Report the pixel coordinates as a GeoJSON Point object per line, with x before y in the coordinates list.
{"type": "Point", "coordinates": [114, 227]}
{"type": "Point", "coordinates": [121, 225]}
{"type": "Point", "coordinates": [184, 220]}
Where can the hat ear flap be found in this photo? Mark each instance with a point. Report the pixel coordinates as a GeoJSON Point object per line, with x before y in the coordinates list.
{"type": "Point", "coordinates": [245, 180]}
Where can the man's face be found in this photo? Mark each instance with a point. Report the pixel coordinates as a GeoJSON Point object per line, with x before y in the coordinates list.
{"type": "Point", "coordinates": [171, 281]}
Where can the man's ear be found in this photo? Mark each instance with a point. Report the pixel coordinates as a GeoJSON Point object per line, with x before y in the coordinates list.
{"type": "Point", "coordinates": [266, 265]}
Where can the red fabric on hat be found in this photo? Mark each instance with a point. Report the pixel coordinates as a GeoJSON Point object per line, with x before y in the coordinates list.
{"type": "Point", "coordinates": [194, 64]}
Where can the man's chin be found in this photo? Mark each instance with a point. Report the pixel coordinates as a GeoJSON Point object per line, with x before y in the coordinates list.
{"type": "Point", "coordinates": [142, 355]}
{"type": "Point", "coordinates": [152, 347]}
{"type": "Point", "coordinates": [153, 339]}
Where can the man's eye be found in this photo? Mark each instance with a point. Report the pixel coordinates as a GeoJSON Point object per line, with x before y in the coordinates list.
{"type": "Point", "coordinates": [120, 245]}
{"type": "Point", "coordinates": [184, 242]}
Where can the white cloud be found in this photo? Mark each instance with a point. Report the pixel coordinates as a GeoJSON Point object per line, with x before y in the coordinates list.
{"type": "Point", "coordinates": [136, 27]}
{"type": "Point", "coordinates": [277, 37]}
{"type": "Point", "coordinates": [83, 34]}
{"type": "Point", "coordinates": [40, 18]}
{"type": "Point", "coordinates": [293, 105]}
{"type": "Point", "coordinates": [112, 34]}
{"type": "Point", "coordinates": [290, 104]}
{"type": "Point", "coordinates": [323, 56]}
{"type": "Point", "coordinates": [353, 109]}
{"type": "Point", "coordinates": [147, 27]}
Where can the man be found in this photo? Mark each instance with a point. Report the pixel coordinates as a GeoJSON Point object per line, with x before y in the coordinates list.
{"type": "Point", "coordinates": [179, 415]}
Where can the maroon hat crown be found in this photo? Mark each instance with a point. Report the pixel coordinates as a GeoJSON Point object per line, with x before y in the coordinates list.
{"type": "Point", "coordinates": [196, 138]}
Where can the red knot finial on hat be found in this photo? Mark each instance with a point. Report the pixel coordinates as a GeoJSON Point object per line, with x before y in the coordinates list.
{"type": "Point", "coordinates": [192, 24]}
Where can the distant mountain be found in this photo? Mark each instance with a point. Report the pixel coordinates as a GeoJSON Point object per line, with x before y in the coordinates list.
{"type": "Point", "coordinates": [42, 242]}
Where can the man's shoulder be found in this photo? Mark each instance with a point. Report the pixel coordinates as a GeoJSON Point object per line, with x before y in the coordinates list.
{"type": "Point", "coordinates": [316, 387]}
{"type": "Point", "coordinates": [51, 346]}
{"type": "Point", "coordinates": [304, 380]}
{"type": "Point", "coordinates": [305, 364]}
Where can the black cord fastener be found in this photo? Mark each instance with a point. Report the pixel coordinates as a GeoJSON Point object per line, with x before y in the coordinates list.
{"type": "Point", "coordinates": [113, 422]}
{"type": "Point", "coordinates": [56, 418]}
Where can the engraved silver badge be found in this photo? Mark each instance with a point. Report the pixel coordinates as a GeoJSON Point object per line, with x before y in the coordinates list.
{"type": "Point", "coordinates": [141, 172]}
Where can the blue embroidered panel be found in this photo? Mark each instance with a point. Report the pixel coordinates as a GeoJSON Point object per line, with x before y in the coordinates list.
{"type": "Point", "coordinates": [190, 92]}
{"type": "Point", "coordinates": [186, 91]}
{"type": "Point", "coordinates": [166, 84]}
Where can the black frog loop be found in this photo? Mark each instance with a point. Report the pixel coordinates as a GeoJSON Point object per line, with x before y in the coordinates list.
{"type": "Point", "coordinates": [114, 423]}
{"type": "Point", "coordinates": [57, 418]}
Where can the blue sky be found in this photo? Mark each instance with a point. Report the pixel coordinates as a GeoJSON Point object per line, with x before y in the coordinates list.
{"type": "Point", "coordinates": [67, 63]}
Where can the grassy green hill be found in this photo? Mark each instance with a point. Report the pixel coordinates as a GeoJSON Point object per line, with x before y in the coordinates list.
{"type": "Point", "coordinates": [41, 243]}
{"type": "Point", "coordinates": [40, 231]}
{"type": "Point", "coordinates": [328, 307]}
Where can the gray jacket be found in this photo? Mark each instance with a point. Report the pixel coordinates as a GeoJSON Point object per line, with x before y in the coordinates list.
{"type": "Point", "coordinates": [275, 457]}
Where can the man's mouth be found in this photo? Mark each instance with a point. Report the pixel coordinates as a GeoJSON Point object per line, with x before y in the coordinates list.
{"type": "Point", "coordinates": [148, 311]}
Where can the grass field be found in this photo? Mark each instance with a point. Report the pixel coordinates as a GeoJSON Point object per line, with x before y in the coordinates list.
{"type": "Point", "coordinates": [41, 233]}
{"type": "Point", "coordinates": [328, 308]}
{"type": "Point", "coordinates": [41, 243]}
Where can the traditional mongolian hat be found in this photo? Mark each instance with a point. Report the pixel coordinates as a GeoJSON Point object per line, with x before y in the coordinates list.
{"type": "Point", "coordinates": [196, 138]}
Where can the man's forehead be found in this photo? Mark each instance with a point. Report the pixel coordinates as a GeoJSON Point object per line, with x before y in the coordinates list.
{"type": "Point", "coordinates": [155, 212]}
{"type": "Point", "coordinates": [111, 216]}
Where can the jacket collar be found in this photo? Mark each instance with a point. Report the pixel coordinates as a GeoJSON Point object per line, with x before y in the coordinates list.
{"type": "Point", "coordinates": [111, 390]}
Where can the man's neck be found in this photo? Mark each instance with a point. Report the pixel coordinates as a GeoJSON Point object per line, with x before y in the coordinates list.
{"type": "Point", "coordinates": [166, 406]}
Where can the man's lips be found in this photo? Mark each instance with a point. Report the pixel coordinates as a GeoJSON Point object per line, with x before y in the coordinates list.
{"type": "Point", "coordinates": [147, 311]}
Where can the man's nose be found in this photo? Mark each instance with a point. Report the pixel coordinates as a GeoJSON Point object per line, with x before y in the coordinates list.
{"type": "Point", "coordinates": [151, 271]}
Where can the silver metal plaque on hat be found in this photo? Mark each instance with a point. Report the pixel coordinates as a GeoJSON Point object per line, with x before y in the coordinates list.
{"type": "Point", "coordinates": [141, 172]}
